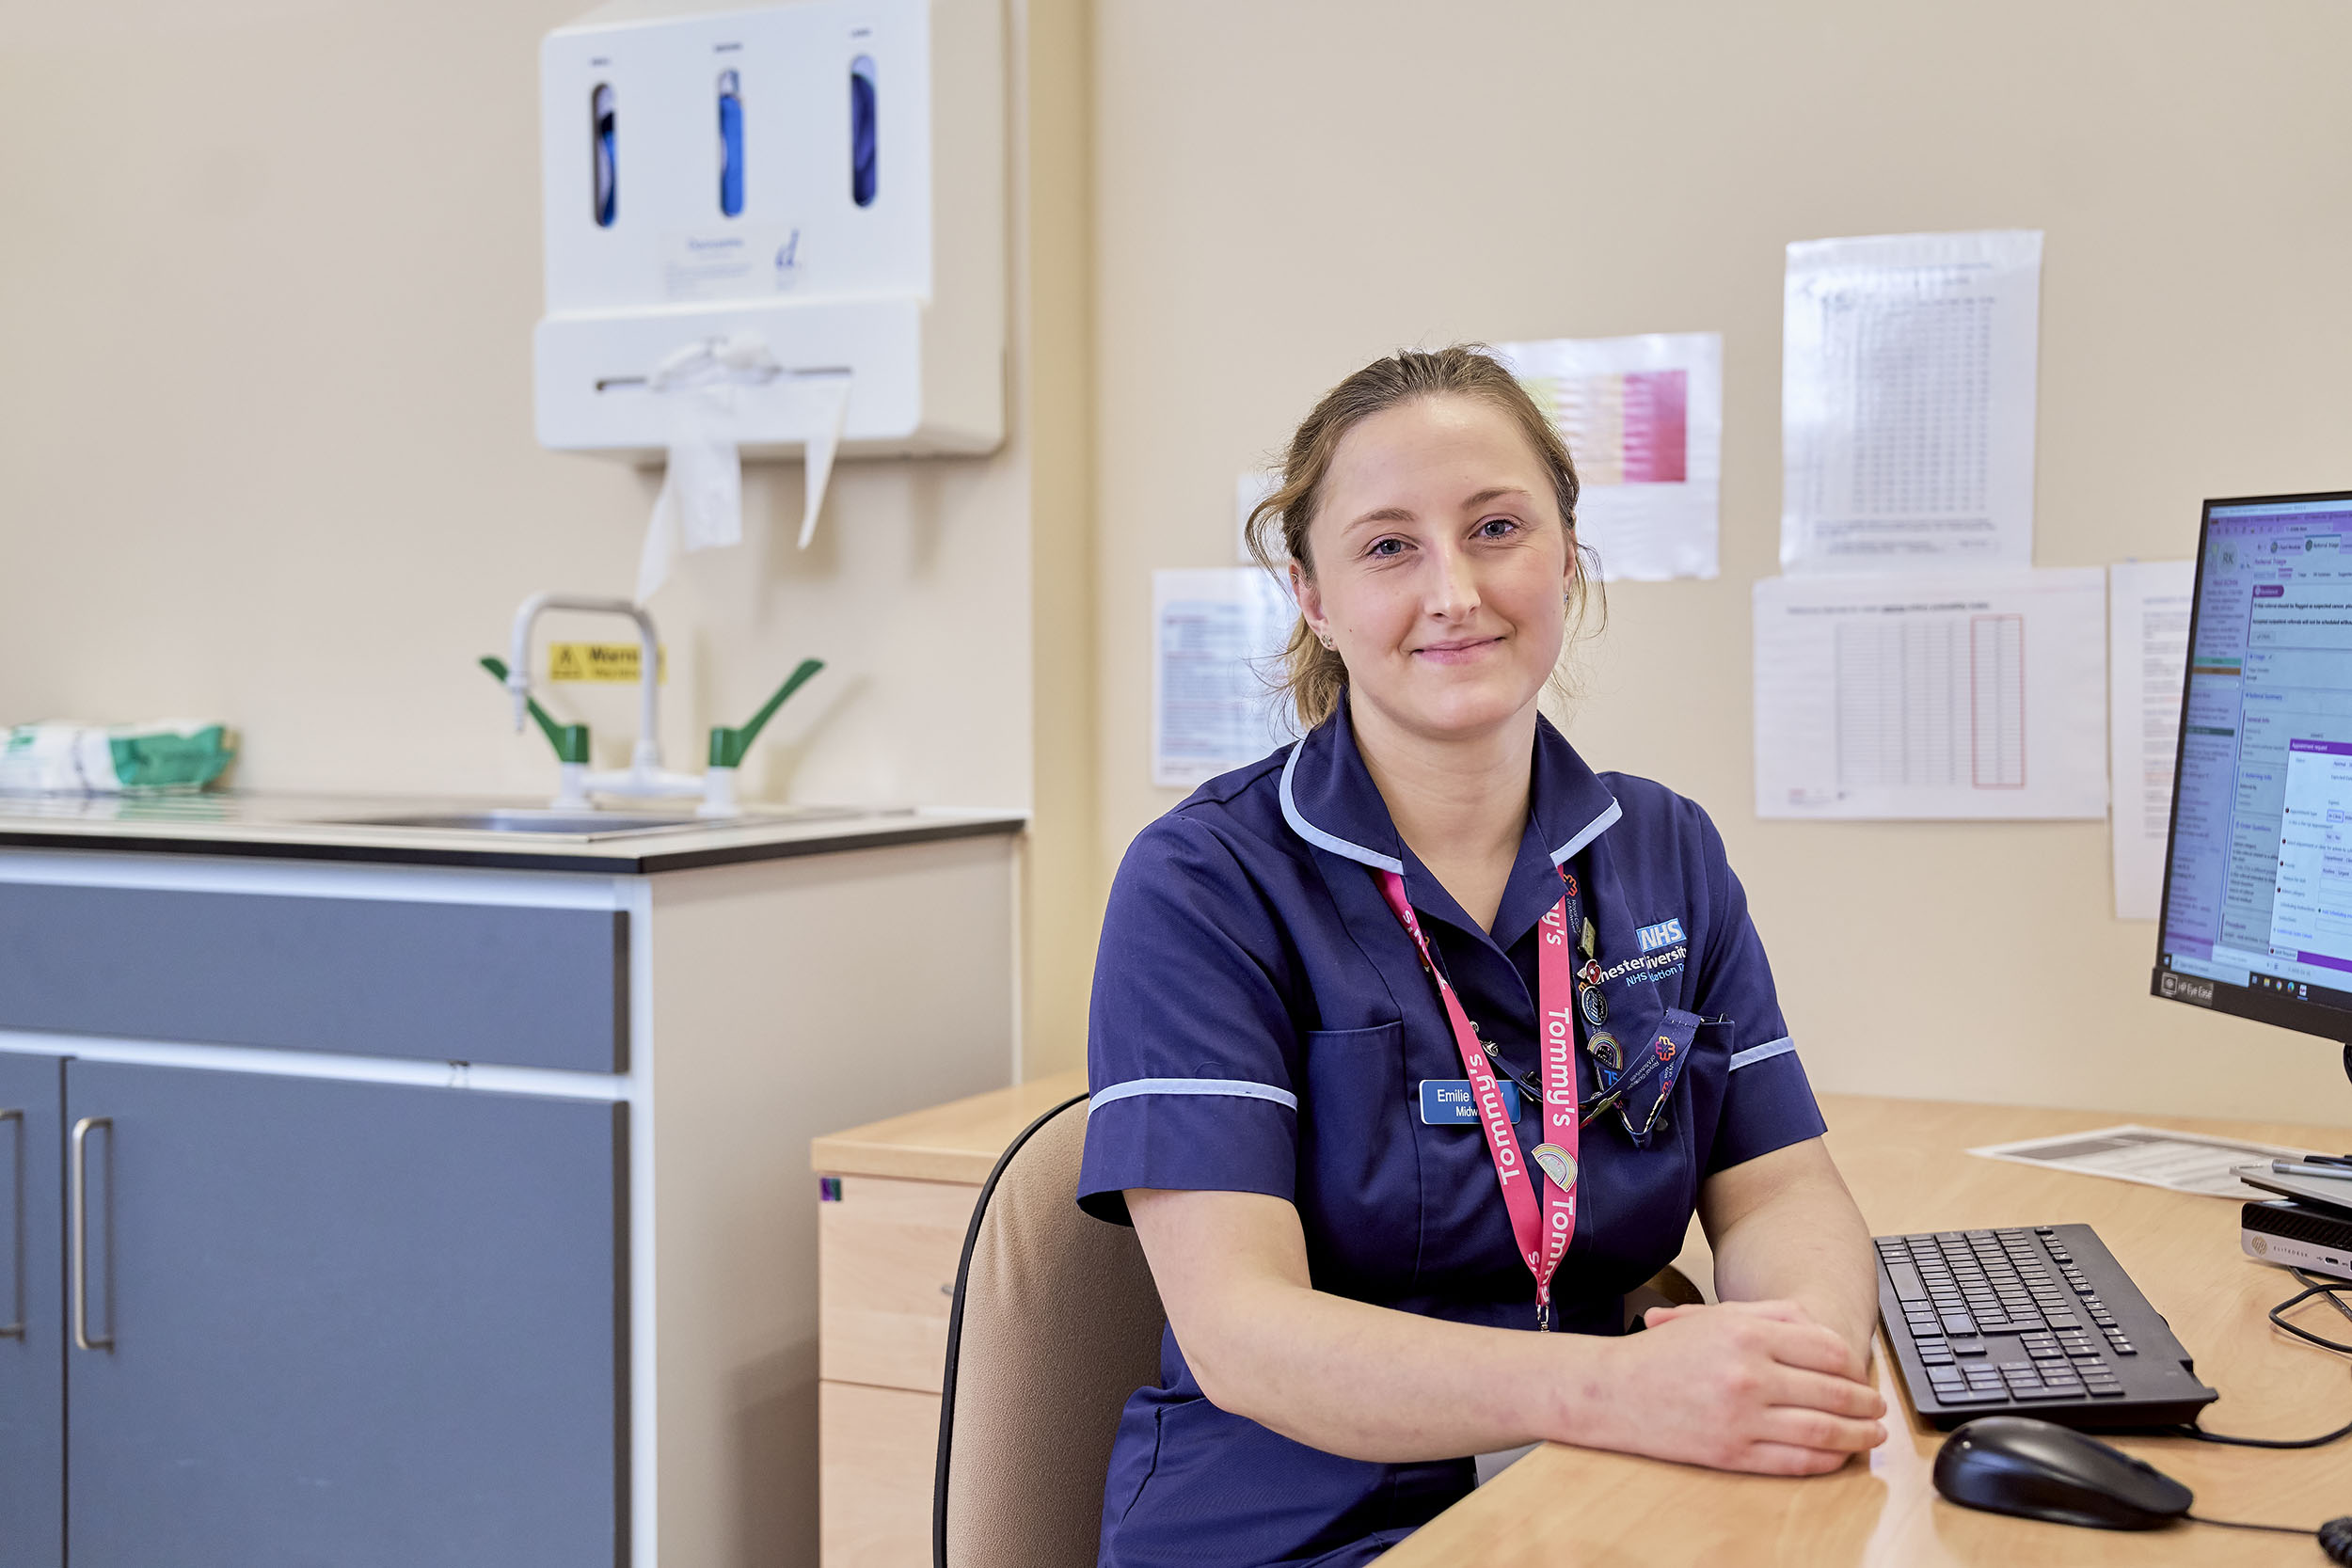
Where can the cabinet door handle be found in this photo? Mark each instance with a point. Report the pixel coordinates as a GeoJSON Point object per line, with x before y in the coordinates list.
{"type": "Point", "coordinates": [16, 1227]}
{"type": "Point", "coordinates": [81, 1232]}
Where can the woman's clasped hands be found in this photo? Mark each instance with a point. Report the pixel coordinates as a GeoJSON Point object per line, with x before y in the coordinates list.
{"type": "Point", "coordinates": [1754, 1385]}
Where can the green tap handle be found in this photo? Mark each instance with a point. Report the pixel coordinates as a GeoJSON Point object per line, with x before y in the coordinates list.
{"type": "Point", "coordinates": [570, 741]}
{"type": "Point", "coordinates": [729, 747]}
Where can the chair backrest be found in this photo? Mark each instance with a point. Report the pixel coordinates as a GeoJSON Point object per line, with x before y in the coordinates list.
{"type": "Point", "coordinates": [1055, 1323]}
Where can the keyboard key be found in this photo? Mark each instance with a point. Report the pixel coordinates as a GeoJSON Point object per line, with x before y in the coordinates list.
{"type": "Point", "coordinates": [2046, 1352]}
{"type": "Point", "coordinates": [1966, 1347]}
{"type": "Point", "coordinates": [2024, 1394]}
{"type": "Point", "coordinates": [2106, 1391]}
{"type": "Point", "coordinates": [1973, 1396]}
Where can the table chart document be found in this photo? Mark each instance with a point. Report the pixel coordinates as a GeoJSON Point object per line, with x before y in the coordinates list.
{"type": "Point", "coordinates": [1943, 695]}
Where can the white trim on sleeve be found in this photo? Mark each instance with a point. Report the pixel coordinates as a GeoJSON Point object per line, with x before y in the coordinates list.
{"type": "Point", "coordinates": [1239, 1088]}
{"type": "Point", "coordinates": [1756, 1054]}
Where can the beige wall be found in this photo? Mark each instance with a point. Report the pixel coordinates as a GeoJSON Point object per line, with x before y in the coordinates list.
{"type": "Point", "coordinates": [265, 443]}
{"type": "Point", "coordinates": [268, 273]}
{"type": "Point", "coordinates": [1285, 191]}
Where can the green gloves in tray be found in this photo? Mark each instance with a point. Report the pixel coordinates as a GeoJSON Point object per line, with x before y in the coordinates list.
{"type": "Point", "coordinates": [114, 759]}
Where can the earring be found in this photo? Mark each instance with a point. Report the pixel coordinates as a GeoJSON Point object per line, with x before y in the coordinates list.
{"type": "Point", "coordinates": [1325, 637]}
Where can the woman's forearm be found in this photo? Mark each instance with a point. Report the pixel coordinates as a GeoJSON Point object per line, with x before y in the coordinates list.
{"type": "Point", "coordinates": [1377, 1384]}
{"type": "Point", "coordinates": [1783, 1228]}
{"type": "Point", "coordinates": [1365, 1382]}
{"type": "Point", "coordinates": [1737, 1386]}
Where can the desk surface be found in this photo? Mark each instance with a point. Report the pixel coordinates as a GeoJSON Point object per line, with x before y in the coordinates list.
{"type": "Point", "coordinates": [1904, 1160]}
{"type": "Point", "coordinates": [957, 1142]}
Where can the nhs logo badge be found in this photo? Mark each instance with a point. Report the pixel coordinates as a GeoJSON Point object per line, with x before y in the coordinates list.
{"type": "Point", "coordinates": [1660, 935]}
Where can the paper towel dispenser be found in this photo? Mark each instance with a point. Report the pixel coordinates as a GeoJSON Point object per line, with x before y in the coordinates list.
{"type": "Point", "coordinates": [824, 178]}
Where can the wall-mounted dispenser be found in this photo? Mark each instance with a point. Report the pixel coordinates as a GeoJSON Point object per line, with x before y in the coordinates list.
{"type": "Point", "coordinates": [823, 181]}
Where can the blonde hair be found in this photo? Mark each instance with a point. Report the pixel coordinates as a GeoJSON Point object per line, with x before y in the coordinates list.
{"type": "Point", "coordinates": [1313, 676]}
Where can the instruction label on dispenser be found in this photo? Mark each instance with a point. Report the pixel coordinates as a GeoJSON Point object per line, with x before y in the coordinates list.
{"type": "Point", "coordinates": [735, 263]}
{"type": "Point", "coordinates": [599, 662]}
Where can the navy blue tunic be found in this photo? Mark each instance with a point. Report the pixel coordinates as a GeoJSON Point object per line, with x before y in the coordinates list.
{"type": "Point", "coordinates": [1261, 1023]}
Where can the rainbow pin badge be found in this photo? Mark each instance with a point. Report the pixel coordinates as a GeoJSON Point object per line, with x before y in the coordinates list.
{"type": "Point", "coordinates": [1558, 1164]}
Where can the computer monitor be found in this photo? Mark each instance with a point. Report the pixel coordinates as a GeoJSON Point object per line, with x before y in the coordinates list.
{"type": "Point", "coordinates": [2257, 913]}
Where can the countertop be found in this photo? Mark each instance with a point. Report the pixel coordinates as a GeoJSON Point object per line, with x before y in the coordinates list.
{"type": "Point", "coordinates": [345, 828]}
{"type": "Point", "coordinates": [957, 1142]}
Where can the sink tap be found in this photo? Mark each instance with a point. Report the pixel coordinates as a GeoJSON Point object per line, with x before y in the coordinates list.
{"type": "Point", "coordinates": [645, 775]}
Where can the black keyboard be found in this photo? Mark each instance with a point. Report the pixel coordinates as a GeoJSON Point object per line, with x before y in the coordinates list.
{"type": "Point", "coordinates": [2033, 1320]}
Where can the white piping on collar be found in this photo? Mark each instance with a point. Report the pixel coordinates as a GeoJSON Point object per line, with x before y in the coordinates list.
{"type": "Point", "coordinates": [1322, 840]}
{"type": "Point", "coordinates": [1592, 830]}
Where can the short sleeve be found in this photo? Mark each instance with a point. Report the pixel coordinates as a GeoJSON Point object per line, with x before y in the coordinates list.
{"type": "Point", "coordinates": [1767, 1104]}
{"type": "Point", "coordinates": [1191, 1049]}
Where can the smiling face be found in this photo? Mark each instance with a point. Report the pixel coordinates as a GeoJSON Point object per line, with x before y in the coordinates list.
{"type": "Point", "coordinates": [1440, 564]}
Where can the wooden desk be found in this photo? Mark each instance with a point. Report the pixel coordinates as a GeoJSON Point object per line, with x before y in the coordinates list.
{"type": "Point", "coordinates": [1904, 1160]}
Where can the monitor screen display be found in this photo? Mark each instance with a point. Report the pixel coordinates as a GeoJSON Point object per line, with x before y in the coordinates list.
{"type": "Point", "coordinates": [2257, 876]}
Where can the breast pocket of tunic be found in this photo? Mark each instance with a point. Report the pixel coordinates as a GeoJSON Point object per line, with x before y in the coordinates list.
{"type": "Point", "coordinates": [1685, 1124]}
{"type": "Point", "coordinates": [1359, 1188]}
{"type": "Point", "coordinates": [1653, 1183]}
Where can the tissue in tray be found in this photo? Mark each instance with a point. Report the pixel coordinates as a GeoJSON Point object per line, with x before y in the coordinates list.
{"type": "Point", "coordinates": [113, 759]}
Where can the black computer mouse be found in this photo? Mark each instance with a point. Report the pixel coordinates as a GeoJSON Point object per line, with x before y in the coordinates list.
{"type": "Point", "coordinates": [2015, 1464]}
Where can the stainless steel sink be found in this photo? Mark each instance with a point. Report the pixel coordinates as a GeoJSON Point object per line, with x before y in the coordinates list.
{"type": "Point", "coordinates": [588, 824]}
{"type": "Point", "coordinates": [574, 824]}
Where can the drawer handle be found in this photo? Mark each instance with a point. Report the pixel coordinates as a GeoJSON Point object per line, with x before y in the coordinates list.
{"type": "Point", "coordinates": [81, 1232]}
{"type": "Point", "coordinates": [16, 1226]}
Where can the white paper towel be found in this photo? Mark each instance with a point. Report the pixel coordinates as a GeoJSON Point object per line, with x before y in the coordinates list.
{"type": "Point", "coordinates": [700, 504]}
{"type": "Point", "coordinates": [829, 396]}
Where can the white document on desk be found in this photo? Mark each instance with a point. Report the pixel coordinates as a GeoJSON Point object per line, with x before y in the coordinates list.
{"type": "Point", "coordinates": [1907, 402]}
{"type": "Point", "coordinates": [1219, 635]}
{"type": "Point", "coordinates": [2151, 1156]}
{"type": "Point", "coordinates": [1643, 420]}
{"type": "Point", "coordinates": [1938, 695]}
{"type": "Point", "coordinates": [2148, 606]}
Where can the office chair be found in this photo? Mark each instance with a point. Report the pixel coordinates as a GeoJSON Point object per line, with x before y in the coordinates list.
{"type": "Point", "coordinates": [1056, 1321]}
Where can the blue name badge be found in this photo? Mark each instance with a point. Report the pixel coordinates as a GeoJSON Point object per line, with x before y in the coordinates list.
{"type": "Point", "coordinates": [1447, 1101]}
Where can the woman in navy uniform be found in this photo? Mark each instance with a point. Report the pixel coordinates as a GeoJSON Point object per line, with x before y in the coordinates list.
{"type": "Point", "coordinates": [1325, 978]}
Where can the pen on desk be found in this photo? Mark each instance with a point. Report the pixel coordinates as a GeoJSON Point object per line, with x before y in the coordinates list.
{"type": "Point", "coordinates": [2300, 1168]}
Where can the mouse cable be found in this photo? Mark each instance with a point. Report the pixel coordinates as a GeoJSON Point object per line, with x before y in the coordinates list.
{"type": "Point", "coordinates": [2335, 1537]}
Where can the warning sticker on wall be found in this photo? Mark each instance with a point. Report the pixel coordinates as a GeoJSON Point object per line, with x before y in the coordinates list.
{"type": "Point", "coordinates": [599, 661]}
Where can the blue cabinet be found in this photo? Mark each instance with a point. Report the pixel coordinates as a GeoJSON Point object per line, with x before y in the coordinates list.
{"type": "Point", "coordinates": [32, 1306]}
{"type": "Point", "coordinates": [316, 1320]}
{"type": "Point", "coordinates": [520, 985]}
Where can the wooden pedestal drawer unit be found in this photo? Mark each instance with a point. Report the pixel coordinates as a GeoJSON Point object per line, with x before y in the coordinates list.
{"type": "Point", "coordinates": [894, 1200]}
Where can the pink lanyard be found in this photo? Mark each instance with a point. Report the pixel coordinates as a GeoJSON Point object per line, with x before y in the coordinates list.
{"type": "Point", "coordinates": [1542, 1240]}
